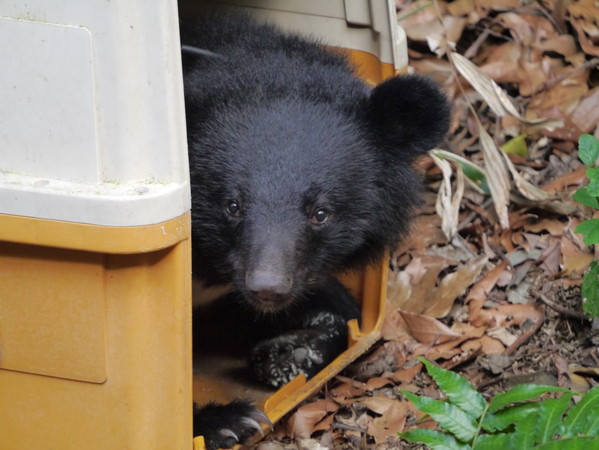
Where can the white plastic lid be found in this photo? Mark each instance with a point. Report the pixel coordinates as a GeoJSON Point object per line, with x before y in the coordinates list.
{"type": "Point", "coordinates": [92, 122]}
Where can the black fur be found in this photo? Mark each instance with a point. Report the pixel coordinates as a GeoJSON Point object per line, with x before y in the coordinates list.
{"type": "Point", "coordinates": [298, 170]}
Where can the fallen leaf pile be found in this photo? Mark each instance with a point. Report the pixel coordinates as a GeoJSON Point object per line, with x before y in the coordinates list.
{"type": "Point", "coordinates": [488, 284]}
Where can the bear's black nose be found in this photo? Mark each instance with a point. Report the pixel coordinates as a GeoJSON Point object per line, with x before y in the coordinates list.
{"type": "Point", "coordinates": [267, 284]}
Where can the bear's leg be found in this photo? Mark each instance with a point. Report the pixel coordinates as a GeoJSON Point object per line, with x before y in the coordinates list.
{"type": "Point", "coordinates": [224, 426]}
{"type": "Point", "coordinates": [317, 334]}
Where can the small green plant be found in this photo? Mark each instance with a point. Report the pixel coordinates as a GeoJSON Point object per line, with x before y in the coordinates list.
{"type": "Point", "coordinates": [511, 420]}
{"type": "Point", "coordinates": [588, 152]}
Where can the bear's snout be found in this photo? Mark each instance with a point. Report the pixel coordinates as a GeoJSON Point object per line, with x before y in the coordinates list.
{"type": "Point", "coordinates": [267, 284]}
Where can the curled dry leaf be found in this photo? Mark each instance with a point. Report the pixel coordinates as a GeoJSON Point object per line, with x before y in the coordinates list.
{"type": "Point", "coordinates": [390, 423]}
{"type": "Point", "coordinates": [428, 330]}
{"type": "Point", "coordinates": [452, 286]}
{"type": "Point", "coordinates": [493, 95]}
{"type": "Point", "coordinates": [476, 176]}
{"type": "Point", "coordinates": [507, 315]}
{"type": "Point", "coordinates": [303, 422]}
{"type": "Point", "coordinates": [574, 260]}
{"type": "Point", "coordinates": [448, 202]}
{"type": "Point", "coordinates": [527, 189]}
{"type": "Point", "coordinates": [378, 404]}
{"type": "Point", "coordinates": [584, 17]}
{"type": "Point", "coordinates": [477, 296]}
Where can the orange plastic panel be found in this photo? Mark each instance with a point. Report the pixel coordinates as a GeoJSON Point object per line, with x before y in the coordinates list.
{"type": "Point", "coordinates": [52, 317]}
{"type": "Point", "coordinates": [121, 321]}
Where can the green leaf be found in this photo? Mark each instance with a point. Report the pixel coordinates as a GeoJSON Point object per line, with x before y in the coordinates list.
{"type": "Point", "coordinates": [583, 418]}
{"type": "Point", "coordinates": [516, 146]}
{"type": "Point", "coordinates": [449, 416]}
{"type": "Point", "coordinates": [588, 149]}
{"type": "Point", "coordinates": [521, 393]}
{"type": "Point", "coordinates": [501, 420]}
{"type": "Point", "coordinates": [550, 417]}
{"type": "Point", "coordinates": [500, 441]}
{"type": "Point", "coordinates": [593, 186]}
{"type": "Point", "coordinates": [458, 390]}
{"type": "Point", "coordinates": [578, 443]}
{"type": "Point", "coordinates": [525, 433]}
{"type": "Point", "coordinates": [471, 170]}
{"type": "Point", "coordinates": [477, 177]}
{"type": "Point", "coordinates": [590, 290]}
{"type": "Point", "coordinates": [436, 440]}
{"type": "Point", "coordinates": [582, 196]}
{"type": "Point", "coordinates": [590, 229]}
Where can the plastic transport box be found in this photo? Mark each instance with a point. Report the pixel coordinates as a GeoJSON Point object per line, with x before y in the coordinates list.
{"type": "Point", "coordinates": [95, 282]}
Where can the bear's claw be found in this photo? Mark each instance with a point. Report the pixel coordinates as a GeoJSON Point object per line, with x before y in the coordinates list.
{"type": "Point", "coordinates": [224, 426]}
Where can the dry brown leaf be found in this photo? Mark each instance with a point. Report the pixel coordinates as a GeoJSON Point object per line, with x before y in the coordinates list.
{"type": "Point", "coordinates": [377, 383]}
{"type": "Point", "coordinates": [447, 351]}
{"type": "Point", "coordinates": [507, 315]}
{"type": "Point", "coordinates": [550, 257]}
{"type": "Point", "coordinates": [553, 226]}
{"type": "Point", "coordinates": [460, 7]}
{"type": "Point", "coordinates": [428, 330]}
{"type": "Point", "coordinates": [394, 325]}
{"type": "Point", "coordinates": [527, 189]}
{"type": "Point", "coordinates": [502, 335]}
{"type": "Point", "coordinates": [533, 77]}
{"type": "Point", "coordinates": [378, 404]}
{"type": "Point", "coordinates": [324, 424]}
{"type": "Point", "coordinates": [407, 375]}
{"type": "Point", "coordinates": [452, 286]}
{"type": "Point", "coordinates": [502, 63]}
{"type": "Point", "coordinates": [347, 388]}
{"type": "Point", "coordinates": [302, 423]}
{"type": "Point", "coordinates": [574, 260]}
{"type": "Point", "coordinates": [584, 17]}
{"type": "Point", "coordinates": [390, 423]}
{"type": "Point", "coordinates": [567, 130]}
{"type": "Point", "coordinates": [490, 346]}
{"type": "Point", "coordinates": [496, 5]}
{"type": "Point", "coordinates": [564, 44]}
{"type": "Point", "coordinates": [565, 96]}
{"type": "Point", "coordinates": [586, 113]}
{"type": "Point", "coordinates": [477, 295]}
{"type": "Point", "coordinates": [575, 178]}
{"type": "Point", "coordinates": [412, 286]}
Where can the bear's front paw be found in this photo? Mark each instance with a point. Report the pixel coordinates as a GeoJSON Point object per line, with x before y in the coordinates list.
{"type": "Point", "coordinates": [224, 426]}
{"type": "Point", "coordinates": [278, 360]}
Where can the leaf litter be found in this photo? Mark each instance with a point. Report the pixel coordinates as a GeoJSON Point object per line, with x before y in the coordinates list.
{"type": "Point", "coordinates": [488, 283]}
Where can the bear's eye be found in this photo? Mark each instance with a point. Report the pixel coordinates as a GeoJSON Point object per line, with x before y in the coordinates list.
{"type": "Point", "coordinates": [233, 208]}
{"type": "Point", "coordinates": [319, 216]}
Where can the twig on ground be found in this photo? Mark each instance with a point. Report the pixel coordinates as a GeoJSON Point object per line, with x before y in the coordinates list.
{"type": "Point", "coordinates": [560, 309]}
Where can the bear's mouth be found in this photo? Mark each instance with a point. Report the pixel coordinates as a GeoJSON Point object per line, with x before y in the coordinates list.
{"type": "Point", "coordinates": [269, 302]}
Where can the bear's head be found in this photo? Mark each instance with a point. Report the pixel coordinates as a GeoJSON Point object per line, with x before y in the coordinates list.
{"type": "Point", "coordinates": [290, 191]}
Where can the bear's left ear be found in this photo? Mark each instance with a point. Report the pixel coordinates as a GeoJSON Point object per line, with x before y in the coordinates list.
{"type": "Point", "coordinates": [408, 113]}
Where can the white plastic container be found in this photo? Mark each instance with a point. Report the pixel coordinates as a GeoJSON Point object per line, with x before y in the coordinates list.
{"type": "Point", "coordinates": [92, 125]}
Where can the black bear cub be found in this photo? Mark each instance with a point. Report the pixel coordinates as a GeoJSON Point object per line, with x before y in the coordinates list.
{"type": "Point", "coordinates": [299, 170]}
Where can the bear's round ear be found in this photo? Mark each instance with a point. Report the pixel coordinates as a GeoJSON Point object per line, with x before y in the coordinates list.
{"type": "Point", "coordinates": [408, 113]}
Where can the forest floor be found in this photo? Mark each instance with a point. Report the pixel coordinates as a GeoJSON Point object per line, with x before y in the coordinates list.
{"type": "Point", "coordinates": [486, 285]}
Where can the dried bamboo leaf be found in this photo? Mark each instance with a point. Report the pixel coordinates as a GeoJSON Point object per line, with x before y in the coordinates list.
{"type": "Point", "coordinates": [527, 189]}
{"type": "Point", "coordinates": [495, 97]}
{"type": "Point", "coordinates": [474, 175]}
{"type": "Point", "coordinates": [448, 203]}
{"type": "Point", "coordinates": [497, 176]}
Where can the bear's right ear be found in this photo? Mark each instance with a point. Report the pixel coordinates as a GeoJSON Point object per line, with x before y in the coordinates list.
{"type": "Point", "coordinates": [408, 113]}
